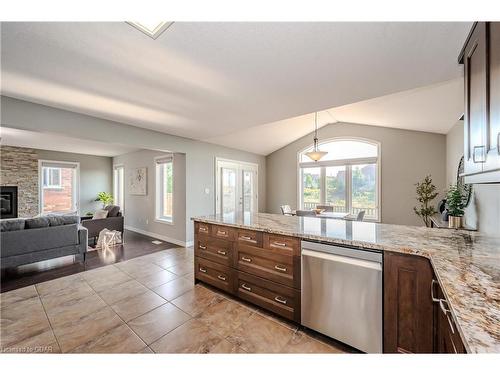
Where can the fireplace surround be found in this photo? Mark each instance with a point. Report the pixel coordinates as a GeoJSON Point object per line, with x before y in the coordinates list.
{"type": "Point", "coordinates": [8, 202]}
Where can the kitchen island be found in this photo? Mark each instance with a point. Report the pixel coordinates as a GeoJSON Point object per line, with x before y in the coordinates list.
{"type": "Point", "coordinates": [465, 264]}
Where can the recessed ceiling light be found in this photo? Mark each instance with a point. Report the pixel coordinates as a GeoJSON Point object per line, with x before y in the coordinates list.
{"type": "Point", "coordinates": [152, 29]}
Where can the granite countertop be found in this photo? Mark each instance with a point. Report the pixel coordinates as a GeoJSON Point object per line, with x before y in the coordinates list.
{"type": "Point", "coordinates": [466, 263]}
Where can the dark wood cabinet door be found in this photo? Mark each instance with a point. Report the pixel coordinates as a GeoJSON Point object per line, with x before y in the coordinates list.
{"type": "Point", "coordinates": [448, 339]}
{"type": "Point", "coordinates": [493, 131]}
{"type": "Point", "coordinates": [476, 100]}
{"type": "Point", "coordinates": [408, 308]}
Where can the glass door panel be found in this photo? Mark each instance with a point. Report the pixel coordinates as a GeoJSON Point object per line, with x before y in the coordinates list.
{"type": "Point", "coordinates": [364, 189]}
{"type": "Point", "coordinates": [311, 182]}
{"type": "Point", "coordinates": [229, 194]}
{"type": "Point", "coordinates": [248, 200]}
{"type": "Point", "coordinates": [335, 192]}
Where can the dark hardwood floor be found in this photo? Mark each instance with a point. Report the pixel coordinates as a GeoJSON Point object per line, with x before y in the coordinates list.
{"type": "Point", "coordinates": [134, 245]}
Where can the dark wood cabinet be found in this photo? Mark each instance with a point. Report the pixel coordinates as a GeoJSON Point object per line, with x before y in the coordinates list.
{"type": "Point", "coordinates": [408, 307]}
{"type": "Point", "coordinates": [447, 338]}
{"type": "Point", "coordinates": [481, 59]}
{"type": "Point", "coordinates": [260, 268]}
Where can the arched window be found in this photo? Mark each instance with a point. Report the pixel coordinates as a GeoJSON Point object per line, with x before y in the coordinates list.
{"type": "Point", "coordinates": [347, 178]}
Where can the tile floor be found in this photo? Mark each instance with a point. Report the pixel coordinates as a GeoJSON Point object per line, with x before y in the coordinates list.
{"type": "Point", "coordinates": [147, 304]}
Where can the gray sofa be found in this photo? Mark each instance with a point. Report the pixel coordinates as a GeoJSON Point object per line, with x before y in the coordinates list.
{"type": "Point", "coordinates": [25, 241]}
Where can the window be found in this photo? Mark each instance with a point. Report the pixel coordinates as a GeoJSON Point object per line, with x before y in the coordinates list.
{"type": "Point", "coordinates": [119, 186]}
{"type": "Point", "coordinates": [59, 187]}
{"type": "Point", "coordinates": [51, 178]}
{"type": "Point", "coordinates": [164, 189]}
{"type": "Point", "coordinates": [347, 178]}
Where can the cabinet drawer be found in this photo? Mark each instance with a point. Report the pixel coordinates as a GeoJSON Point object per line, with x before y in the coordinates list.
{"type": "Point", "coordinates": [267, 264]}
{"type": "Point", "coordinates": [225, 233]}
{"type": "Point", "coordinates": [202, 228]}
{"type": "Point", "coordinates": [214, 274]}
{"type": "Point", "coordinates": [277, 298]}
{"type": "Point", "coordinates": [282, 244]}
{"type": "Point", "coordinates": [249, 237]}
{"type": "Point", "coordinates": [214, 249]}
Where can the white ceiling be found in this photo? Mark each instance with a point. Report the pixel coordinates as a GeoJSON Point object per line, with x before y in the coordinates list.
{"type": "Point", "coordinates": [435, 108]}
{"type": "Point", "coordinates": [212, 81]}
{"type": "Point", "coordinates": [55, 142]}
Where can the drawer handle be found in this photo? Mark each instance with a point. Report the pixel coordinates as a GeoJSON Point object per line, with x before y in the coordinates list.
{"type": "Point", "coordinates": [202, 247]}
{"type": "Point", "coordinates": [434, 299]}
{"type": "Point", "coordinates": [221, 252]}
{"type": "Point", "coordinates": [221, 277]}
{"type": "Point", "coordinates": [246, 287]}
{"type": "Point", "coordinates": [280, 244]}
{"type": "Point", "coordinates": [246, 238]}
{"type": "Point", "coordinates": [245, 259]}
{"type": "Point", "coordinates": [446, 311]}
{"type": "Point", "coordinates": [222, 232]}
{"type": "Point", "coordinates": [280, 268]}
{"type": "Point", "coordinates": [203, 270]}
{"type": "Point", "coordinates": [280, 300]}
{"type": "Point", "coordinates": [203, 229]}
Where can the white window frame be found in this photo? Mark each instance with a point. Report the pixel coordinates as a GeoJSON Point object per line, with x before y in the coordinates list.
{"type": "Point", "coordinates": [159, 160]}
{"type": "Point", "coordinates": [76, 190]}
{"type": "Point", "coordinates": [50, 170]}
{"type": "Point", "coordinates": [116, 167]}
{"type": "Point", "coordinates": [240, 166]}
{"type": "Point", "coordinates": [348, 163]}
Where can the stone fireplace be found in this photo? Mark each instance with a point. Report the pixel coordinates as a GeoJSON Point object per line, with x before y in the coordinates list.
{"type": "Point", "coordinates": [19, 168]}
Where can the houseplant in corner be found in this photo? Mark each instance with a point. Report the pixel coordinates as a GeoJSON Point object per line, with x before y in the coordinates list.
{"type": "Point", "coordinates": [104, 198]}
{"type": "Point", "coordinates": [426, 192]}
{"type": "Point", "coordinates": [455, 205]}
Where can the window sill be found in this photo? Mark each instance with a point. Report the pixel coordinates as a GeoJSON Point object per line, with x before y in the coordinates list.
{"type": "Point", "coordinates": [164, 221]}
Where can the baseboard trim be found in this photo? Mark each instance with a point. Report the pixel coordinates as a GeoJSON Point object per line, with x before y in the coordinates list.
{"type": "Point", "coordinates": [160, 236]}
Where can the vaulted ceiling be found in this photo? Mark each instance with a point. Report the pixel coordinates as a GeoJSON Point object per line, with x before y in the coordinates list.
{"type": "Point", "coordinates": [236, 83]}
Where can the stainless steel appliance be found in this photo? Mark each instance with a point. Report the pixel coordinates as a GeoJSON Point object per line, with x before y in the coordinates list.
{"type": "Point", "coordinates": [342, 294]}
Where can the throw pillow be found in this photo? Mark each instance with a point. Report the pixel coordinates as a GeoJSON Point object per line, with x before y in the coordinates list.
{"type": "Point", "coordinates": [56, 220]}
{"type": "Point", "coordinates": [37, 222]}
{"type": "Point", "coordinates": [7, 225]}
{"type": "Point", "coordinates": [113, 210]}
{"type": "Point", "coordinates": [100, 214]}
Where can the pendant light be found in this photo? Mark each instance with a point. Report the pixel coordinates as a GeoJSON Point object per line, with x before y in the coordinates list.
{"type": "Point", "coordinates": [316, 154]}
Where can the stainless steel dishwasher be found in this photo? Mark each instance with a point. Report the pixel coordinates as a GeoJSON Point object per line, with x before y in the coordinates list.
{"type": "Point", "coordinates": [342, 294]}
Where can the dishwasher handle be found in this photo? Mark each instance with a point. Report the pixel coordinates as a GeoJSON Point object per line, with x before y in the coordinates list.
{"type": "Point", "coordinates": [343, 259]}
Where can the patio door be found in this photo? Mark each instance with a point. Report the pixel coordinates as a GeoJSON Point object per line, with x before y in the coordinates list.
{"type": "Point", "coordinates": [236, 188]}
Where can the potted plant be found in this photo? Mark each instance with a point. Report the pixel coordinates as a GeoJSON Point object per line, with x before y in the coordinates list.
{"type": "Point", "coordinates": [455, 205]}
{"type": "Point", "coordinates": [104, 198]}
{"type": "Point", "coordinates": [426, 192]}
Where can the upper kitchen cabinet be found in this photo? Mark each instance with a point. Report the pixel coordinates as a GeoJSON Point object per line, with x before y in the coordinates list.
{"type": "Point", "coordinates": [481, 59]}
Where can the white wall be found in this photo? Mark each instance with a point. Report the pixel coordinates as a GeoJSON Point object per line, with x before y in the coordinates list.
{"type": "Point", "coordinates": [483, 211]}
{"type": "Point", "coordinates": [140, 209]}
{"type": "Point", "coordinates": [406, 158]}
{"type": "Point", "coordinates": [200, 156]}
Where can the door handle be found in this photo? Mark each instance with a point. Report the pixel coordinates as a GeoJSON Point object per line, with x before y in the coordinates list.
{"type": "Point", "coordinates": [434, 299]}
